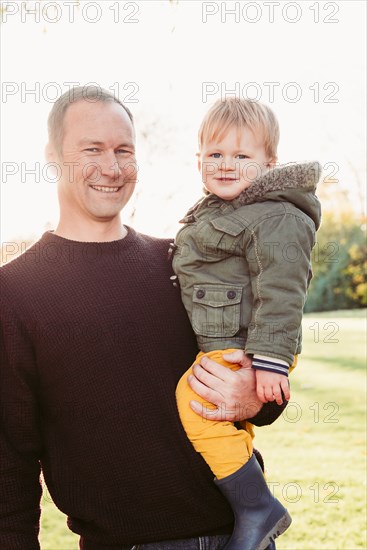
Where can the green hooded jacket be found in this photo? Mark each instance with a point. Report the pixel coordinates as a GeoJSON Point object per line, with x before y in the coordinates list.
{"type": "Point", "coordinates": [244, 265]}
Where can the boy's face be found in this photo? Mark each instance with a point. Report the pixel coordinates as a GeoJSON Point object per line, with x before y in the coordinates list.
{"type": "Point", "coordinates": [231, 165]}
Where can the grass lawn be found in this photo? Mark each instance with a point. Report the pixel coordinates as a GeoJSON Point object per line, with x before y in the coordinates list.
{"type": "Point", "coordinates": [315, 453]}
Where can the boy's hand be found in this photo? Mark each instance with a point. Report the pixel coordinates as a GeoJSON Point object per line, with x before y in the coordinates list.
{"type": "Point", "coordinates": [269, 386]}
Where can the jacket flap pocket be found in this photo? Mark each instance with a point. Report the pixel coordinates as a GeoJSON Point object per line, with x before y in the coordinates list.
{"type": "Point", "coordinates": [231, 225]}
{"type": "Point", "coordinates": [217, 296]}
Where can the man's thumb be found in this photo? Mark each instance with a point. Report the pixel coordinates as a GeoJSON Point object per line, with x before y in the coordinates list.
{"type": "Point", "coordinates": [235, 357]}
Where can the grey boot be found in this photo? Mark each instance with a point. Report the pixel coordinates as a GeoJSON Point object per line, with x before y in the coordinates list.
{"type": "Point", "coordinates": [259, 516]}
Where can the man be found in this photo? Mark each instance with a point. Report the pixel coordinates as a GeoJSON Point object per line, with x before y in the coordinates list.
{"type": "Point", "coordinates": [94, 340]}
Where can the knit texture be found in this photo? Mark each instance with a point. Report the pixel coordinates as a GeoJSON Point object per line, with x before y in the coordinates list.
{"type": "Point", "coordinates": [95, 339]}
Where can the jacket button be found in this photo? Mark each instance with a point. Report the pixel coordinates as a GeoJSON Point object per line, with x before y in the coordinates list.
{"type": "Point", "coordinates": [231, 294]}
{"type": "Point", "coordinates": [200, 294]}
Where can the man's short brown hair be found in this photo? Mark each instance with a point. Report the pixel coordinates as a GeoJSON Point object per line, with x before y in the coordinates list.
{"type": "Point", "coordinates": [56, 117]}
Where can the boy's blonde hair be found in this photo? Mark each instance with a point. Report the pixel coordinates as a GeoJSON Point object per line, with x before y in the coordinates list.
{"type": "Point", "coordinates": [241, 114]}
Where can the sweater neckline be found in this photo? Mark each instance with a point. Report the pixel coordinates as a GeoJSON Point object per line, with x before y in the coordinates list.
{"type": "Point", "coordinates": [49, 237]}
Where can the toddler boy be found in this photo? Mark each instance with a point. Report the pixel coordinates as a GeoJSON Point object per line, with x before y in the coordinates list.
{"type": "Point", "coordinates": [243, 264]}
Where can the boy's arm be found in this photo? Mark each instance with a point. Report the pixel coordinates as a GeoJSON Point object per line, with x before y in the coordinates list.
{"type": "Point", "coordinates": [279, 258]}
{"type": "Point", "coordinates": [278, 253]}
{"type": "Point", "coordinates": [20, 489]}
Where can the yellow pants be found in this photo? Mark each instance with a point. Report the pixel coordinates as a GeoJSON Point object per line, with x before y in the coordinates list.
{"type": "Point", "coordinates": [221, 444]}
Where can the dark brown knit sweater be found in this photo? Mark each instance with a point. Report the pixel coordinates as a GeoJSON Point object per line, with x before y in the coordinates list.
{"type": "Point", "coordinates": [95, 339]}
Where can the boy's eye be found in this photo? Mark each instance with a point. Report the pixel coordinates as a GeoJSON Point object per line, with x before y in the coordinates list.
{"type": "Point", "coordinates": [241, 157]}
{"type": "Point", "coordinates": [215, 155]}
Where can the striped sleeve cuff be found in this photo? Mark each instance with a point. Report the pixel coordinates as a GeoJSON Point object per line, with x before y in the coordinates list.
{"type": "Point", "coordinates": [270, 364]}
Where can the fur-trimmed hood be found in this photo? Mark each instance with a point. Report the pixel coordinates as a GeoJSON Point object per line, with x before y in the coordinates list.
{"type": "Point", "coordinates": [295, 183]}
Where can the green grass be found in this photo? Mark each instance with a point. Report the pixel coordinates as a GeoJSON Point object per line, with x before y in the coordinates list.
{"type": "Point", "coordinates": [55, 534]}
{"type": "Point", "coordinates": [315, 453]}
{"type": "Point", "coordinates": [317, 450]}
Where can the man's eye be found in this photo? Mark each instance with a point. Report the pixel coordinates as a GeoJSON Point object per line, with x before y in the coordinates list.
{"type": "Point", "coordinates": [122, 151]}
{"type": "Point", "coordinates": [92, 149]}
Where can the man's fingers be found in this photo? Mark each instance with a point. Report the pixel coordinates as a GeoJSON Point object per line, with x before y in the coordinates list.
{"type": "Point", "coordinates": [205, 377]}
{"type": "Point", "coordinates": [218, 414]}
{"type": "Point", "coordinates": [235, 357]}
{"type": "Point", "coordinates": [224, 373]}
{"type": "Point", "coordinates": [202, 410]}
{"type": "Point", "coordinates": [205, 393]}
{"type": "Point", "coordinates": [239, 357]}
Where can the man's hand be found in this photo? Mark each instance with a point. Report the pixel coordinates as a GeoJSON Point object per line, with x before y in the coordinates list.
{"type": "Point", "coordinates": [269, 386]}
{"type": "Point", "coordinates": [232, 392]}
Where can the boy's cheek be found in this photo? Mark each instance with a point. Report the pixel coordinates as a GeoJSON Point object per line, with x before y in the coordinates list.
{"type": "Point", "coordinates": [208, 169]}
{"type": "Point", "coordinates": [251, 172]}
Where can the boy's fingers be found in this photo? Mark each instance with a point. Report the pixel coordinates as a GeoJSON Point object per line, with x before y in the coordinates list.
{"type": "Point", "coordinates": [260, 394]}
{"type": "Point", "coordinates": [286, 390]}
{"type": "Point", "coordinates": [268, 393]}
{"type": "Point", "coordinates": [278, 395]}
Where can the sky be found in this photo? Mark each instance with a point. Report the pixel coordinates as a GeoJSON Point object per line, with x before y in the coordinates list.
{"type": "Point", "coordinates": [169, 61]}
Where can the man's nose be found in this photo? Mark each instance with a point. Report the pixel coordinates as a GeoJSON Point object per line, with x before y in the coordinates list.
{"type": "Point", "coordinates": [110, 167]}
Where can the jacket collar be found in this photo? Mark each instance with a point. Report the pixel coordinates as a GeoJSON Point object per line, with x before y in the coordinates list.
{"type": "Point", "coordinates": [295, 183]}
{"type": "Point", "coordinates": [303, 176]}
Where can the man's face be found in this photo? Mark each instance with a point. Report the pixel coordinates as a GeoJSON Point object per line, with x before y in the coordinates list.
{"type": "Point", "coordinates": [231, 165]}
{"type": "Point", "coordinates": [98, 162]}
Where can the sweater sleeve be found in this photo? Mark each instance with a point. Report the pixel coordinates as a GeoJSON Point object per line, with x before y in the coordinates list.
{"type": "Point", "coordinates": [268, 413]}
{"type": "Point", "coordinates": [20, 488]}
{"type": "Point", "coordinates": [279, 258]}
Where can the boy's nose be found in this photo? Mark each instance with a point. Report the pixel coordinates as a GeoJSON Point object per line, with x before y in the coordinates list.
{"type": "Point", "coordinates": [228, 164]}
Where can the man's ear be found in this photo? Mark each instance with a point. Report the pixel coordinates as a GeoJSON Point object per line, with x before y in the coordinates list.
{"type": "Point", "coordinates": [199, 161]}
{"type": "Point", "coordinates": [52, 158]}
{"type": "Point", "coordinates": [50, 154]}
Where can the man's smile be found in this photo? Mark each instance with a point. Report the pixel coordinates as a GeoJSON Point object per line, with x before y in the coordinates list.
{"type": "Point", "coordinates": [105, 189]}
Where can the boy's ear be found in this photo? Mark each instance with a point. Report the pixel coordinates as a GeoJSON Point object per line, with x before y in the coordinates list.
{"type": "Point", "coordinates": [272, 162]}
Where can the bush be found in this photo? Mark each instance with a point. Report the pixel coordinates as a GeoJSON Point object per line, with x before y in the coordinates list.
{"type": "Point", "coordinates": [339, 264]}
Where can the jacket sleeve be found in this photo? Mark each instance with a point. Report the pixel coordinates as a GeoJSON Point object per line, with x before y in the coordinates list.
{"type": "Point", "coordinates": [278, 252]}
{"type": "Point", "coordinates": [20, 488]}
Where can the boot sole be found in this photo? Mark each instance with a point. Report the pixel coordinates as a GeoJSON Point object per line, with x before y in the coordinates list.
{"type": "Point", "coordinates": [278, 529]}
